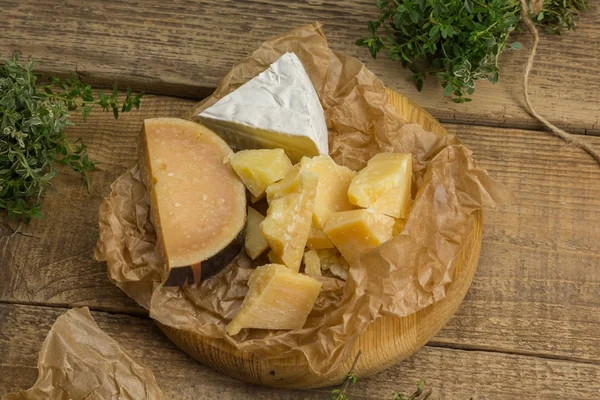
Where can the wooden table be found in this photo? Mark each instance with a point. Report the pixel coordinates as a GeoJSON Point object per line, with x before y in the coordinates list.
{"type": "Point", "coordinates": [530, 325]}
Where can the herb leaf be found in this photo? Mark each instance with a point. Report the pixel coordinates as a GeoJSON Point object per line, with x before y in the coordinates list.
{"type": "Point", "coordinates": [458, 41]}
{"type": "Point", "coordinates": [32, 140]}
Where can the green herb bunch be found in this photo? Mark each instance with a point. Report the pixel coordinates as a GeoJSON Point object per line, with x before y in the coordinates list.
{"type": "Point", "coordinates": [459, 41]}
{"type": "Point", "coordinates": [557, 15]}
{"type": "Point", "coordinates": [32, 139]}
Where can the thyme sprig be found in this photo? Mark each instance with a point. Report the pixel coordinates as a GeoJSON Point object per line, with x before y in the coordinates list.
{"type": "Point", "coordinates": [458, 41]}
{"type": "Point", "coordinates": [33, 119]}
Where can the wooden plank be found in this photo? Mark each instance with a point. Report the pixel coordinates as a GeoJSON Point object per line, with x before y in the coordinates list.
{"type": "Point", "coordinates": [184, 48]}
{"type": "Point", "coordinates": [454, 374]}
{"type": "Point", "coordinates": [537, 286]}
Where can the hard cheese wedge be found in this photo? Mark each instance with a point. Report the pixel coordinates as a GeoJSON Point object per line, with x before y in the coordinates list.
{"type": "Point", "coordinates": [358, 231]}
{"type": "Point", "coordinates": [288, 220]}
{"type": "Point", "coordinates": [259, 168]}
{"type": "Point", "coordinates": [277, 298]}
{"type": "Point", "coordinates": [384, 185]}
{"type": "Point", "coordinates": [332, 192]}
{"type": "Point", "coordinates": [255, 243]}
{"type": "Point", "coordinates": [278, 108]}
{"type": "Point", "coordinates": [197, 203]}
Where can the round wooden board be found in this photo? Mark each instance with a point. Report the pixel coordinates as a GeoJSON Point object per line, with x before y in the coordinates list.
{"type": "Point", "coordinates": [385, 342]}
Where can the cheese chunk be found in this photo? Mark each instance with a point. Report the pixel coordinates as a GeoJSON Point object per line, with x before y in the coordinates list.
{"type": "Point", "coordinates": [288, 221]}
{"type": "Point", "coordinates": [312, 264]}
{"type": "Point", "coordinates": [259, 168]}
{"type": "Point", "coordinates": [358, 231]}
{"type": "Point", "coordinates": [384, 185]}
{"type": "Point", "coordinates": [287, 185]}
{"type": "Point", "coordinates": [277, 298]}
{"type": "Point", "coordinates": [197, 203]}
{"type": "Point", "coordinates": [278, 108]}
{"type": "Point", "coordinates": [317, 239]}
{"type": "Point", "coordinates": [332, 192]}
{"type": "Point", "coordinates": [255, 243]}
{"type": "Point", "coordinates": [332, 260]}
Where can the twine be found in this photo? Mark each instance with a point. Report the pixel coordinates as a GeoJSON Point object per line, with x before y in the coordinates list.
{"type": "Point", "coordinates": [567, 137]}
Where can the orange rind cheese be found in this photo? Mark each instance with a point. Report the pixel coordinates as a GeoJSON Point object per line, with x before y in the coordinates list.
{"type": "Point", "coordinates": [197, 203]}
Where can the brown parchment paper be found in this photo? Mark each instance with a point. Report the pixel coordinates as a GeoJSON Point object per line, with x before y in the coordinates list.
{"type": "Point", "coordinates": [79, 361]}
{"type": "Point", "coordinates": [409, 272]}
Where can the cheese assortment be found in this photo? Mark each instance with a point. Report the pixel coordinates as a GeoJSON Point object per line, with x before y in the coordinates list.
{"type": "Point", "coordinates": [197, 203]}
{"type": "Point", "coordinates": [311, 208]}
{"type": "Point", "coordinates": [321, 216]}
{"type": "Point", "coordinates": [278, 108]}
{"type": "Point", "coordinates": [277, 298]}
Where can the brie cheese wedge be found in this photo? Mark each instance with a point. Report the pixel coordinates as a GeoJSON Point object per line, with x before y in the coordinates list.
{"type": "Point", "coordinates": [278, 108]}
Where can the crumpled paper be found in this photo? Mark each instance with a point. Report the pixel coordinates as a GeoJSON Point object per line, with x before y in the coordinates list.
{"type": "Point", "coordinates": [79, 361]}
{"type": "Point", "coordinates": [402, 276]}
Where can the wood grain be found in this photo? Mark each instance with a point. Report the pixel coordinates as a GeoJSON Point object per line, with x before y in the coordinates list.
{"type": "Point", "coordinates": [453, 374]}
{"type": "Point", "coordinates": [537, 289]}
{"type": "Point", "coordinates": [183, 48]}
{"type": "Point", "coordinates": [384, 343]}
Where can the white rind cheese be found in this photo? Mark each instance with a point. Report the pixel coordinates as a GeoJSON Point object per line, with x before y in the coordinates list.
{"type": "Point", "coordinates": [278, 108]}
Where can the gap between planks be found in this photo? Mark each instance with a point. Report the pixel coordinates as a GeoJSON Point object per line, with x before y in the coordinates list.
{"type": "Point", "coordinates": [141, 313]}
{"type": "Point", "coordinates": [132, 312]}
{"type": "Point", "coordinates": [199, 93]}
{"type": "Point", "coordinates": [491, 349]}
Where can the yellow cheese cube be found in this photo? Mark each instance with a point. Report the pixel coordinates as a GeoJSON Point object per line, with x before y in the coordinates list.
{"type": "Point", "coordinates": [332, 191]}
{"type": "Point", "coordinates": [332, 260]}
{"type": "Point", "coordinates": [288, 221]}
{"type": "Point", "coordinates": [259, 168]}
{"type": "Point", "coordinates": [317, 239]}
{"type": "Point", "coordinates": [277, 298]}
{"type": "Point", "coordinates": [358, 231]}
{"type": "Point", "coordinates": [312, 264]}
{"type": "Point", "coordinates": [255, 243]}
{"type": "Point", "coordinates": [384, 185]}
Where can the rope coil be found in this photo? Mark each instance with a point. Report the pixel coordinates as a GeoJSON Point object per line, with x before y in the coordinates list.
{"type": "Point", "coordinates": [567, 137]}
